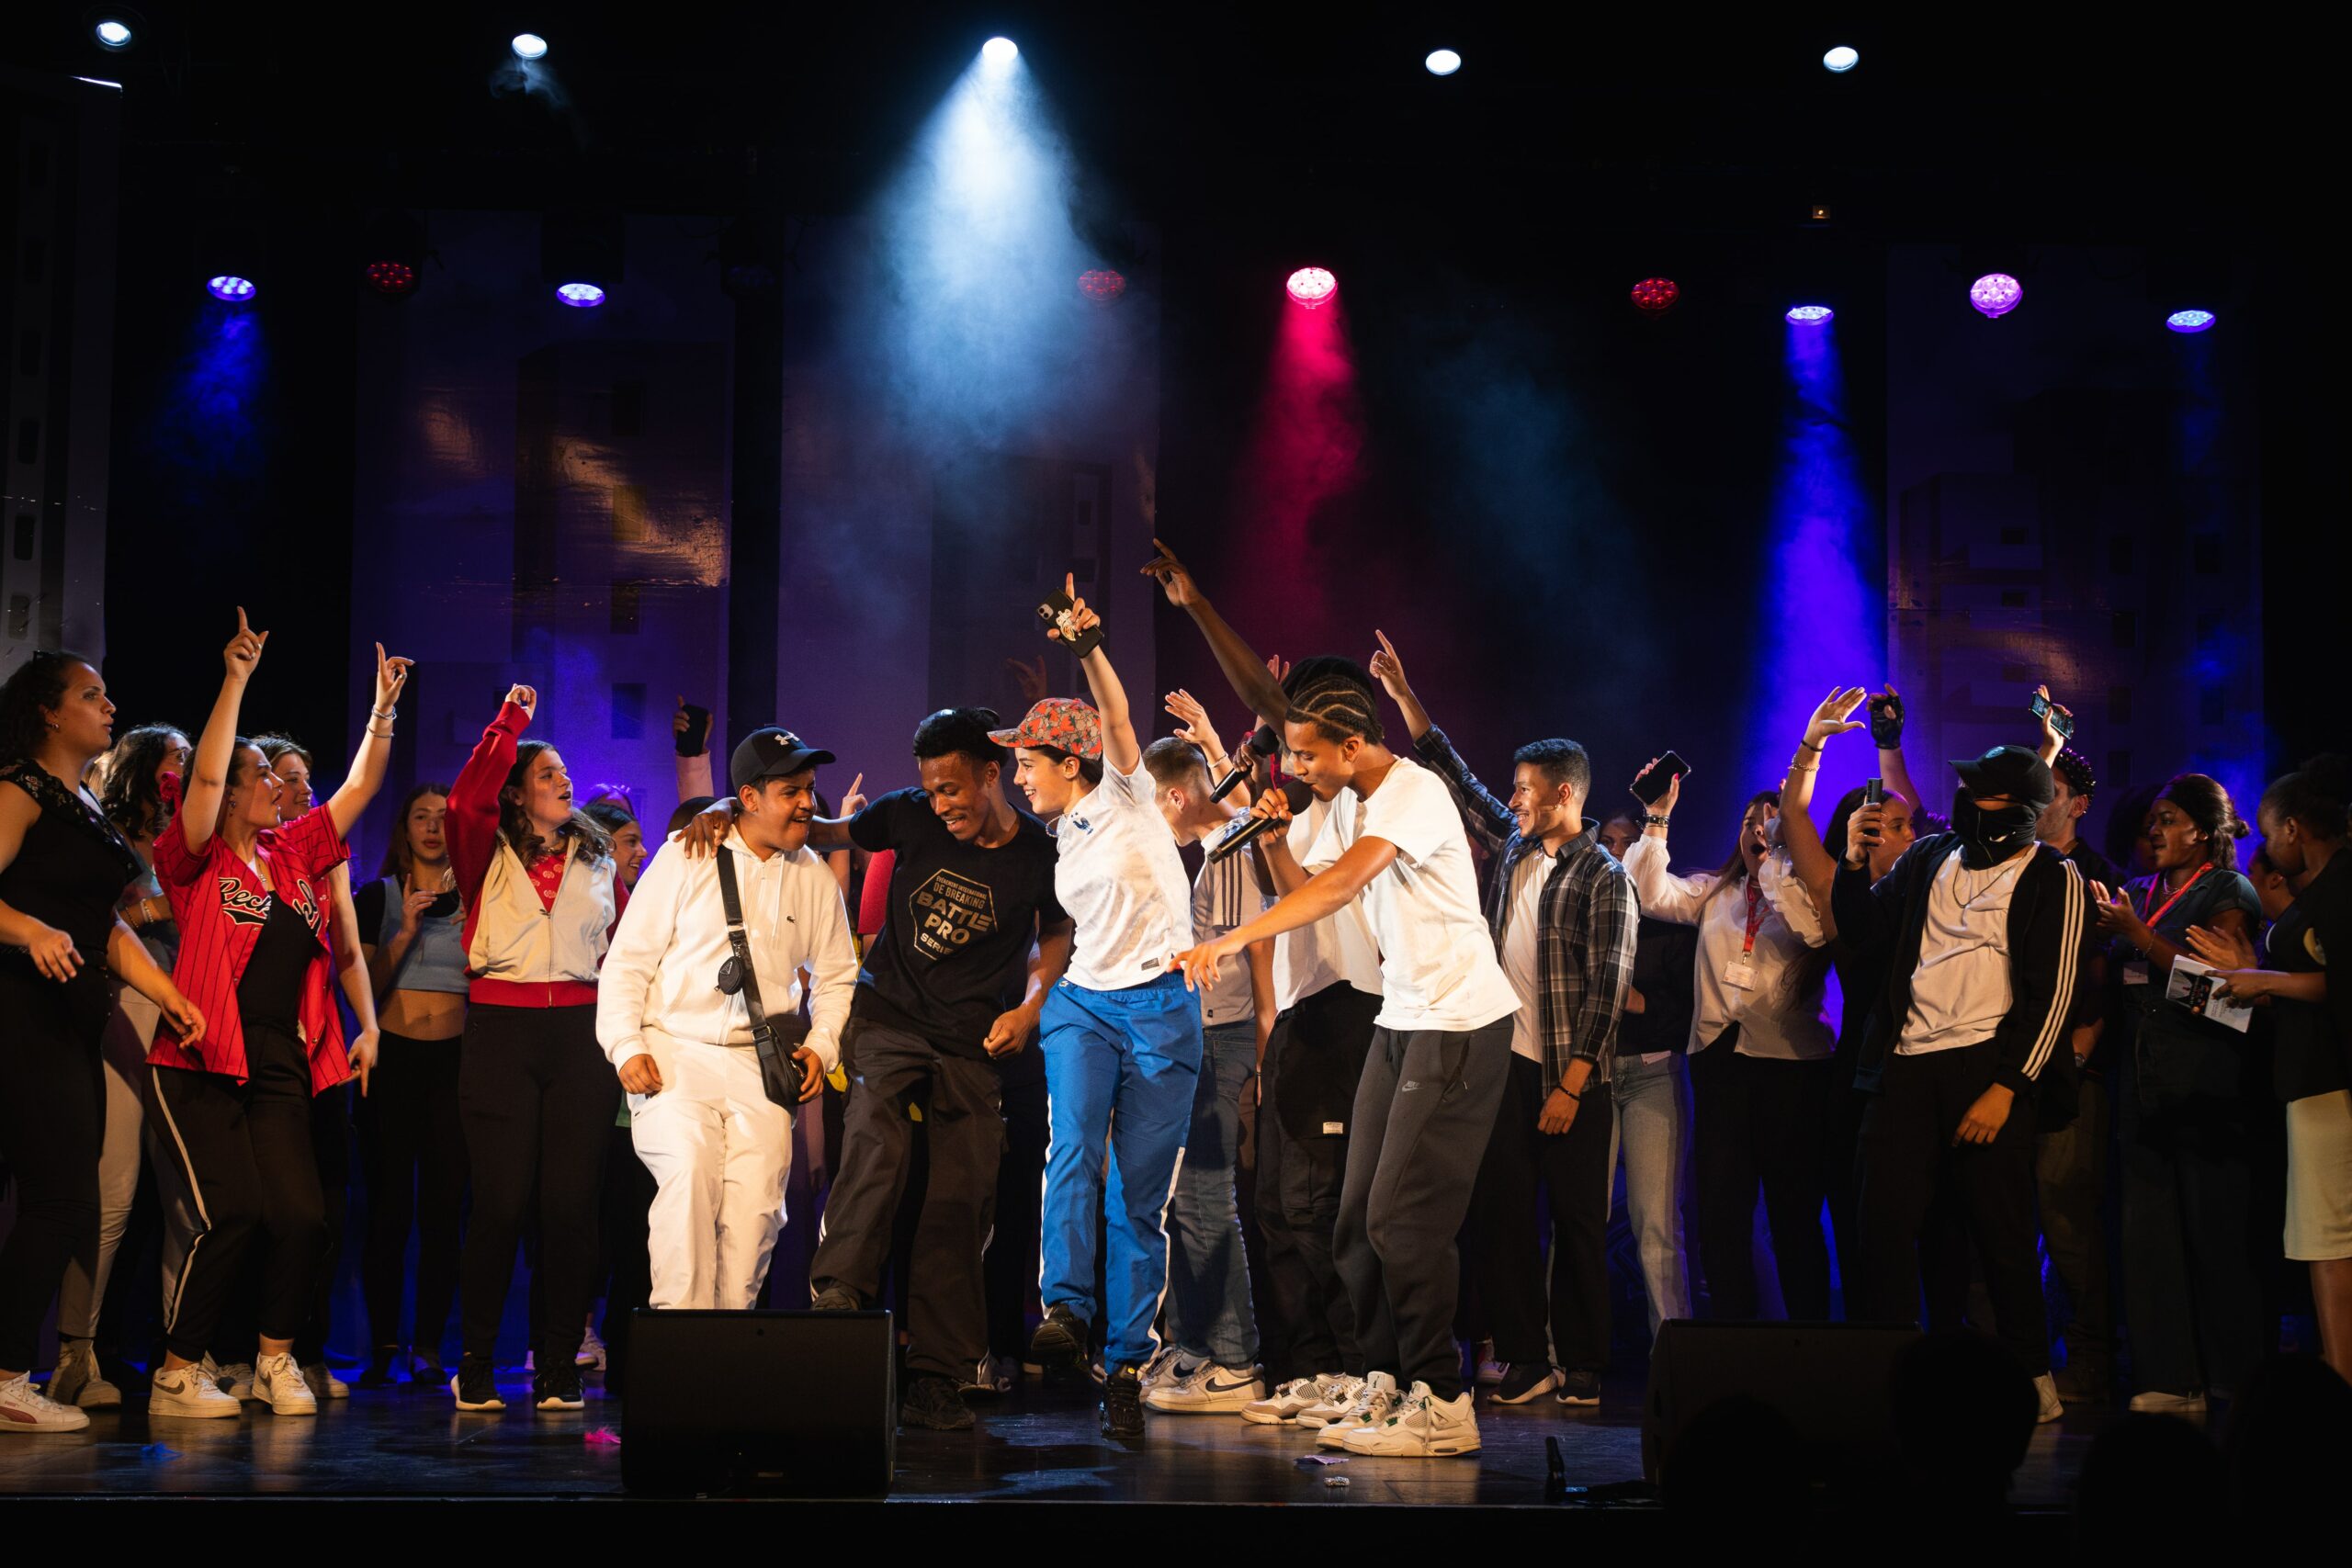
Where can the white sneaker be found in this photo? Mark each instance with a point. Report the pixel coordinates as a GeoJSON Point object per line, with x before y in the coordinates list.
{"type": "Point", "coordinates": [1374, 1402]}
{"type": "Point", "coordinates": [1292, 1400]}
{"type": "Point", "coordinates": [235, 1380]}
{"type": "Point", "coordinates": [2045, 1388]}
{"type": "Point", "coordinates": [1167, 1365]}
{"type": "Point", "coordinates": [1208, 1390]}
{"type": "Point", "coordinates": [278, 1383]}
{"type": "Point", "coordinates": [323, 1384]}
{"type": "Point", "coordinates": [592, 1351]}
{"type": "Point", "coordinates": [190, 1392]}
{"type": "Point", "coordinates": [2169, 1404]}
{"type": "Point", "coordinates": [1421, 1426]}
{"type": "Point", "coordinates": [24, 1408]}
{"type": "Point", "coordinates": [78, 1380]}
{"type": "Point", "coordinates": [1339, 1395]}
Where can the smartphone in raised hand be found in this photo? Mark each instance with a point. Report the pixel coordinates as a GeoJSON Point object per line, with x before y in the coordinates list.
{"type": "Point", "coordinates": [1651, 786]}
{"type": "Point", "coordinates": [1054, 610]}
{"type": "Point", "coordinates": [2063, 723]}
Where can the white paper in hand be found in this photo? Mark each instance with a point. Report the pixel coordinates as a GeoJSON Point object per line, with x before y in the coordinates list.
{"type": "Point", "coordinates": [2191, 987]}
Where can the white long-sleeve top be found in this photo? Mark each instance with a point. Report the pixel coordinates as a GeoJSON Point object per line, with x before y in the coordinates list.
{"type": "Point", "coordinates": [663, 970]}
{"type": "Point", "coordinates": [1780, 1013]}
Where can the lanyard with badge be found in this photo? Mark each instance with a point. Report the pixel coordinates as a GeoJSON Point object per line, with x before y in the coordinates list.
{"type": "Point", "coordinates": [1741, 972]}
{"type": "Point", "coordinates": [2151, 912]}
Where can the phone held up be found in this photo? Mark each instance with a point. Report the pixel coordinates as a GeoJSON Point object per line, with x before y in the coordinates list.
{"type": "Point", "coordinates": [1651, 786]}
{"type": "Point", "coordinates": [2062, 723]}
{"type": "Point", "coordinates": [1054, 610]}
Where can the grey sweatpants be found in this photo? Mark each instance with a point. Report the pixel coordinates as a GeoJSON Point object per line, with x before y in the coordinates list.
{"type": "Point", "coordinates": [1425, 1108]}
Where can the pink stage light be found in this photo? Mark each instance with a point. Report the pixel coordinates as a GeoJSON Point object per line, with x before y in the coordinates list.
{"type": "Point", "coordinates": [1995, 294]}
{"type": "Point", "coordinates": [1655, 297]}
{"type": "Point", "coordinates": [1312, 286]}
{"type": "Point", "coordinates": [1103, 285]}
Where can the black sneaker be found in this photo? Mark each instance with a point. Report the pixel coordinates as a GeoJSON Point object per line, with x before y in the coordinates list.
{"type": "Point", "coordinates": [1123, 1404]}
{"type": "Point", "coordinates": [379, 1367]}
{"type": "Point", "coordinates": [557, 1387]}
{"type": "Point", "coordinates": [933, 1403]}
{"type": "Point", "coordinates": [836, 1297]}
{"type": "Point", "coordinates": [1524, 1380]}
{"type": "Point", "coordinates": [1059, 1344]}
{"type": "Point", "coordinates": [475, 1387]}
{"type": "Point", "coordinates": [1580, 1388]}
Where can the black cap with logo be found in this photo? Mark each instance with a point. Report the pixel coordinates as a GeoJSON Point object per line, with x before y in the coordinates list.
{"type": "Point", "coordinates": [771, 754]}
{"type": "Point", "coordinates": [2012, 770]}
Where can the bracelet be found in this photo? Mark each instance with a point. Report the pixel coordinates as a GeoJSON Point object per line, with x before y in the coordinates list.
{"type": "Point", "coordinates": [380, 713]}
{"type": "Point", "coordinates": [1797, 767]}
{"type": "Point", "coordinates": [377, 734]}
{"type": "Point", "coordinates": [1654, 820]}
{"type": "Point", "coordinates": [1808, 746]}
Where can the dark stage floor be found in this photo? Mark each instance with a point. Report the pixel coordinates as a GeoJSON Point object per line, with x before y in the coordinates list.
{"type": "Point", "coordinates": [1038, 1443]}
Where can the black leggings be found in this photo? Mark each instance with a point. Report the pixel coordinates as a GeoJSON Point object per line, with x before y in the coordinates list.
{"type": "Point", "coordinates": [538, 1100]}
{"type": "Point", "coordinates": [413, 1147]}
{"type": "Point", "coordinates": [247, 1150]}
{"type": "Point", "coordinates": [1761, 1122]}
{"type": "Point", "coordinates": [53, 1123]}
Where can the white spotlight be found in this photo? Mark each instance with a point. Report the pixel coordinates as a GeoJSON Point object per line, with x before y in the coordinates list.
{"type": "Point", "coordinates": [1442, 62]}
{"type": "Point", "coordinates": [1842, 59]}
{"type": "Point", "coordinates": [1000, 52]}
{"type": "Point", "coordinates": [113, 33]}
{"type": "Point", "coordinates": [529, 46]}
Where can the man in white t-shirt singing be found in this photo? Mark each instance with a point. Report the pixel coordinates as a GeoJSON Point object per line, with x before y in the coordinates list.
{"type": "Point", "coordinates": [1121, 1032]}
{"type": "Point", "coordinates": [1427, 1102]}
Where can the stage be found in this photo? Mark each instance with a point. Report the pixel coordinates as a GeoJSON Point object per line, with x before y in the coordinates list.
{"type": "Point", "coordinates": [1035, 1445]}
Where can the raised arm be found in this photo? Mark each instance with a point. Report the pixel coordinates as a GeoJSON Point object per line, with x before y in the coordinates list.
{"type": "Point", "coordinates": [2052, 741]}
{"type": "Point", "coordinates": [1121, 751]}
{"type": "Point", "coordinates": [367, 775]}
{"type": "Point", "coordinates": [1664, 895]}
{"type": "Point", "coordinates": [690, 732]}
{"type": "Point", "coordinates": [216, 750]}
{"type": "Point", "coordinates": [1252, 681]}
{"type": "Point", "coordinates": [472, 823]}
{"type": "Point", "coordinates": [1813, 866]}
{"type": "Point", "coordinates": [1487, 819]}
{"type": "Point", "coordinates": [1390, 671]}
{"type": "Point", "coordinates": [1886, 734]}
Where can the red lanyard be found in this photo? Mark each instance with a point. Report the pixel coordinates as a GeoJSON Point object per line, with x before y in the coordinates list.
{"type": "Point", "coordinates": [1755, 916]}
{"type": "Point", "coordinates": [2151, 919]}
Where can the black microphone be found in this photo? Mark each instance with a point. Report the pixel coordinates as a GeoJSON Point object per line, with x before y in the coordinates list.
{"type": "Point", "coordinates": [1263, 742]}
{"type": "Point", "coordinates": [1248, 825]}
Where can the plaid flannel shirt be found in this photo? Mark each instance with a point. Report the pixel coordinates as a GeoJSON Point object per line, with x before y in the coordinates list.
{"type": "Point", "coordinates": [1584, 938]}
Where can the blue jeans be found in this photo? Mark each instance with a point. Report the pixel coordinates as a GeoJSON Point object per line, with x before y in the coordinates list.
{"type": "Point", "coordinates": [1653, 1130]}
{"type": "Point", "coordinates": [1120, 1070]}
{"type": "Point", "coordinates": [1208, 1268]}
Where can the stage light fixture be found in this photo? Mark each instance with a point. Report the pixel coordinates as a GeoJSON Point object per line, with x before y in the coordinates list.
{"type": "Point", "coordinates": [1311, 286]}
{"type": "Point", "coordinates": [114, 34]}
{"type": "Point", "coordinates": [1995, 294]}
{"type": "Point", "coordinates": [1842, 59]}
{"type": "Point", "coordinates": [582, 254]}
{"type": "Point", "coordinates": [583, 296]}
{"type": "Point", "coordinates": [2190, 320]}
{"type": "Point", "coordinates": [1442, 62]}
{"type": "Point", "coordinates": [228, 286]}
{"type": "Point", "coordinates": [391, 277]}
{"type": "Point", "coordinates": [1811, 315]}
{"type": "Point", "coordinates": [1654, 296]}
{"type": "Point", "coordinates": [1000, 52]}
{"type": "Point", "coordinates": [1103, 285]}
{"type": "Point", "coordinates": [529, 46]}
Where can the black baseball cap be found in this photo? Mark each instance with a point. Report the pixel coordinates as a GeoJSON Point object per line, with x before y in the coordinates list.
{"type": "Point", "coordinates": [771, 754]}
{"type": "Point", "coordinates": [2012, 770]}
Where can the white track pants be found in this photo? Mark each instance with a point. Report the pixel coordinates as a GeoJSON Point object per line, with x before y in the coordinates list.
{"type": "Point", "coordinates": [718, 1149]}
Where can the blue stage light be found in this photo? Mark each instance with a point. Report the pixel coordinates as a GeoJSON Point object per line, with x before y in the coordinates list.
{"type": "Point", "coordinates": [529, 46]}
{"type": "Point", "coordinates": [1000, 52]}
{"type": "Point", "coordinates": [1442, 62]}
{"type": "Point", "coordinates": [1842, 59]}
{"type": "Point", "coordinates": [1811, 315]}
{"type": "Point", "coordinates": [2190, 320]}
{"type": "Point", "coordinates": [230, 286]}
{"type": "Point", "coordinates": [583, 296]}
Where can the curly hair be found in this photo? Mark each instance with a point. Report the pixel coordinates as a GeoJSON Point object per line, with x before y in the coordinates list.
{"type": "Point", "coordinates": [38, 682]}
{"type": "Point", "coordinates": [515, 824]}
{"type": "Point", "coordinates": [129, 797]}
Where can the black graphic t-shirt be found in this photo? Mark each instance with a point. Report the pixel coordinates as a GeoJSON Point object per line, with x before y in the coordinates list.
{"type": "Point", "coordinates": [955, 949]}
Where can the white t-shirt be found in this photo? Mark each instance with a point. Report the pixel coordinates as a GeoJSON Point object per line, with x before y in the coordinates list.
{"type": "Point", "coordinates": [1336, 949]}
{"type": "Point", "coordinates": [1123, 882]}
{"type": "Point", "coordinates": [1438, 968]}
{"type": "Point", "coordinates": [1225, 895]}
{"type": "Point", "coordinates": [1961, 992]}
{"type": "Point", "coordinates": [1527, 879]}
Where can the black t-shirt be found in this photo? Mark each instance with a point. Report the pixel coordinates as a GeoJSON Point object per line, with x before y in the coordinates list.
{"type": "Point", "coordinates": [954, 949]}
{"type": "Point", "coordinates": [270, 990]}
{"type": "Point", "coordinates": [2311, 1049]}
{"type": "Point", "coordinates": [1665, 957]}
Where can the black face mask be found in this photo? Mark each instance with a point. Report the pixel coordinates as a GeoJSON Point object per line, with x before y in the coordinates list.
{"type": "Point", "coordinates": [1987, 838]}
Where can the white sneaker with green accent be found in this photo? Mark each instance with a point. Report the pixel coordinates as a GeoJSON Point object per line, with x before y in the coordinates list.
{"type": "Point", "coordinates": [1292, 1400]}
{"type": "Point", "coordinates": [1420, 1427]}
{"type": "Point", "coordinates": [1373, 1402]}
{"type": "Point", "coordinates": [25, 1409]}
{"type": "Point", "coordinates": [1339, 1395]}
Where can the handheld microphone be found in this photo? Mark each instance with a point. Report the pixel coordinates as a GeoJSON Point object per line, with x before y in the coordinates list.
{"type": "Point", "coordinates": [1263, 742]}
{"type": "Point", "coordinates": [1250, 824]}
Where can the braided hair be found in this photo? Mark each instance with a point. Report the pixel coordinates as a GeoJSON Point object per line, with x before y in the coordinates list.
{"type": "Point", "coordinates": [1338, 710]}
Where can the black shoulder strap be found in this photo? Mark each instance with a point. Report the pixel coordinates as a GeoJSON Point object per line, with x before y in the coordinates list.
{"type": "Point", "coordinates": [762, 1032]}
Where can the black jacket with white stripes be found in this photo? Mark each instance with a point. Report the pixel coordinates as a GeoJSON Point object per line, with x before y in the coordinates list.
{"type": "Point", "coordinates": [1884, 919]}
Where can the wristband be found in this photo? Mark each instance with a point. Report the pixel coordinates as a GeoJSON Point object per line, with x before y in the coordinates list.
{"type": "Point", "coordinates": [380, 713]}
{"type": "Point", "coordinates": [1656, 821]}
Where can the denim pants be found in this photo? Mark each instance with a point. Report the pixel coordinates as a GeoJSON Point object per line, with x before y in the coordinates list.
{"type": "Point", "coordinates": [1121, 1068]}
{"type": "Point", "coordinates": [1653, 1103]}
{"type": "Point", "coordinates": [1208, 1270]}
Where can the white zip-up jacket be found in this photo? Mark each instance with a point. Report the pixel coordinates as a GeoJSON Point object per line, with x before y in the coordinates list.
{"type": "Point", "coordinates": [662, 975]}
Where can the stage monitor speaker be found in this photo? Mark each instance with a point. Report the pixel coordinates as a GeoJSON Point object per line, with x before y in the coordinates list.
{"type": "Point", "coordinates": [1832, 1380]}
{"type": "Point", "coordinates": [761, 1404]}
